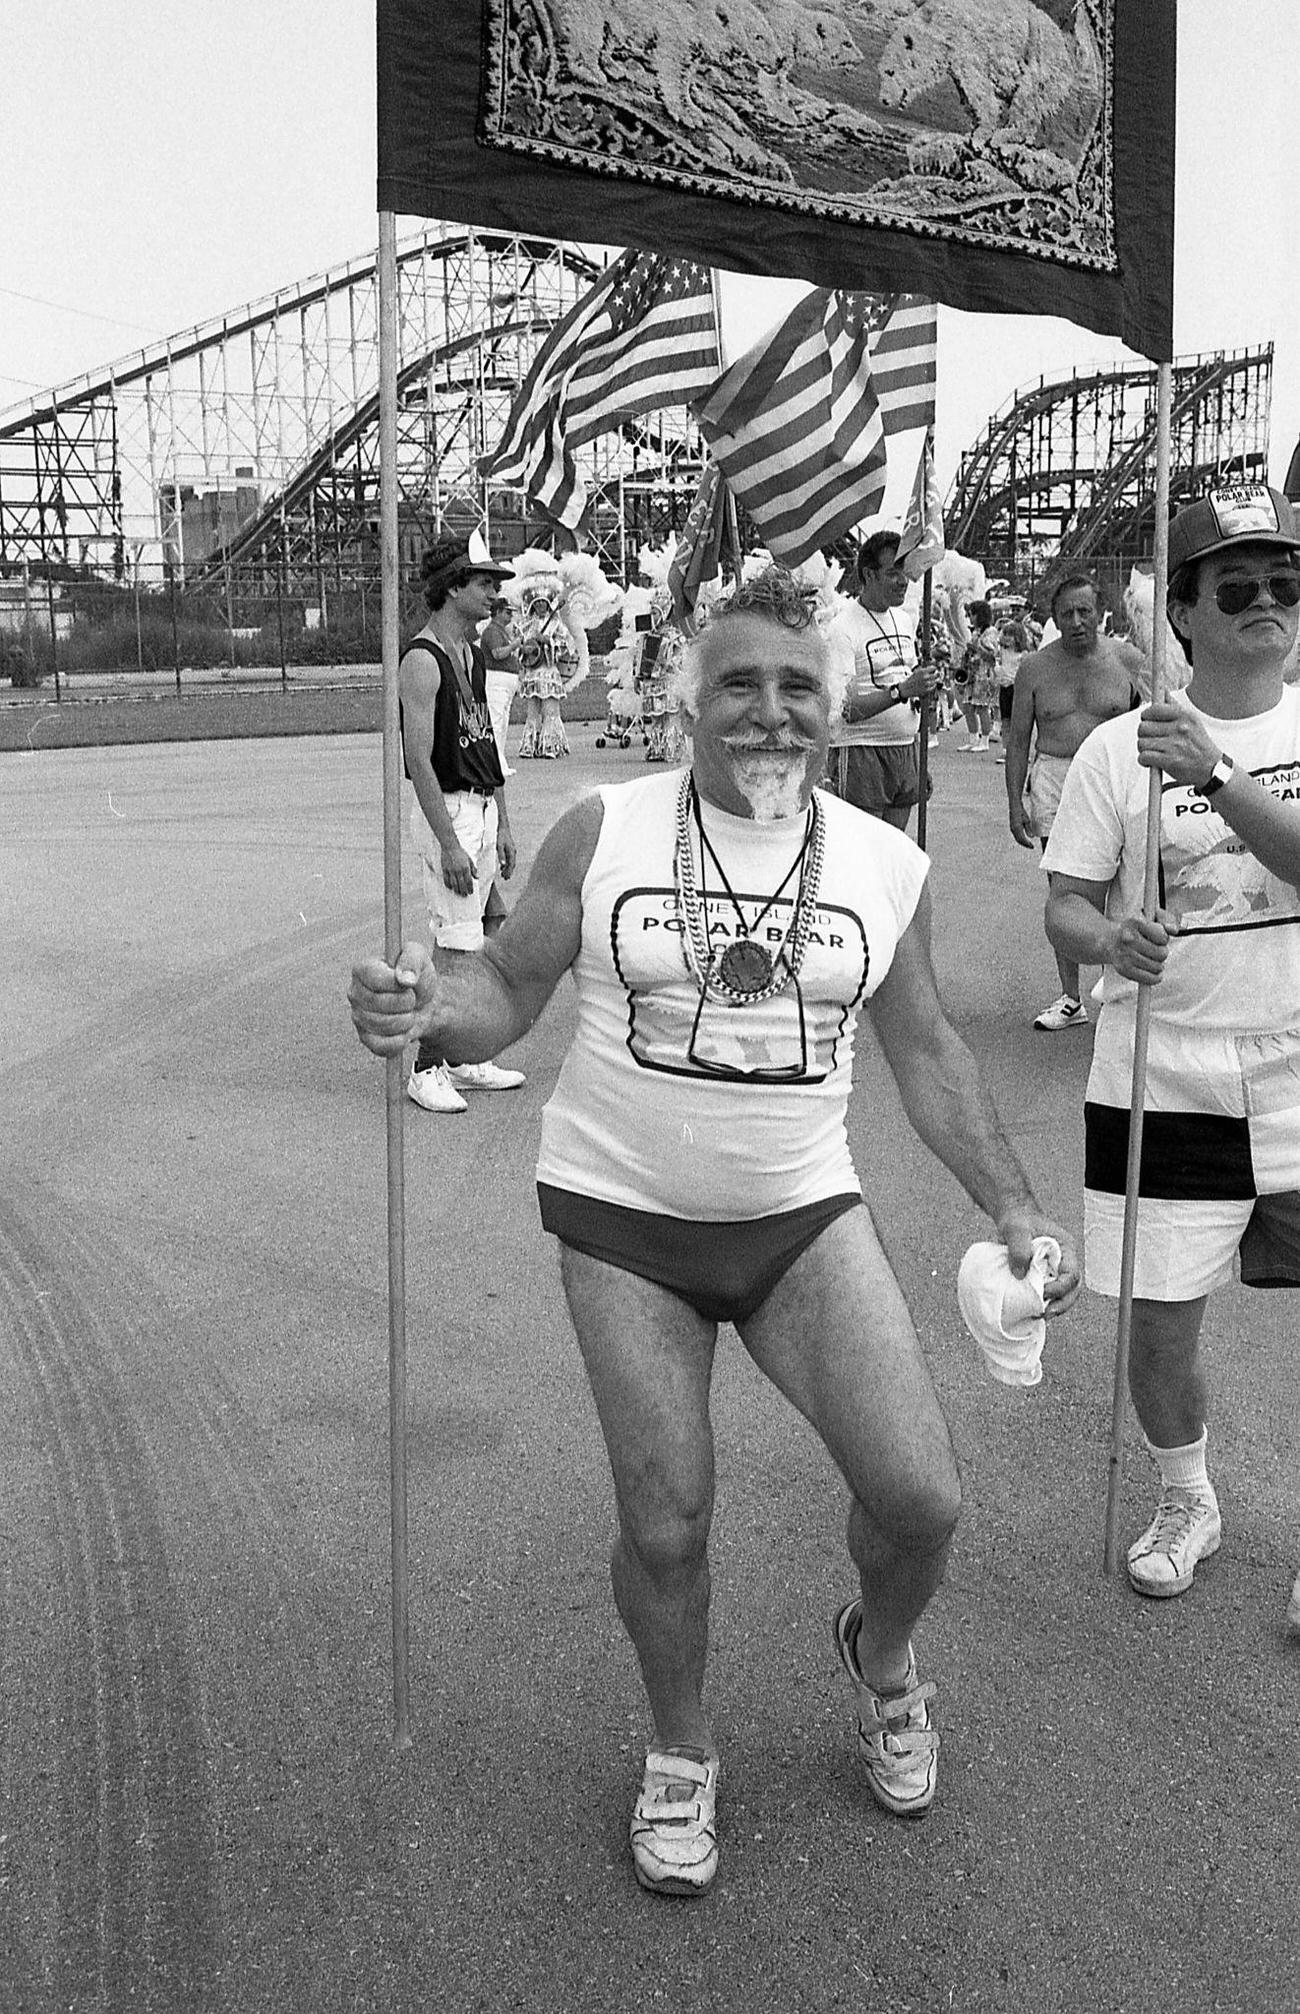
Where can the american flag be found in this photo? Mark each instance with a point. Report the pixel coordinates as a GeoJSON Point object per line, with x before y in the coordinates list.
{"type": "Point", "coordinates": [799, 423]}
{"type": "Point", "coordinates": [645, 336]}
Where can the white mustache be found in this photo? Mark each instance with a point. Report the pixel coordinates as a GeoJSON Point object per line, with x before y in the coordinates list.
{"type": "Point", "coordinates": [782, 744]}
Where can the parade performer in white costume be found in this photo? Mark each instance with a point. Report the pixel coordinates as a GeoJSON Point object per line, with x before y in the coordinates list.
{"type": "Point", "coordinates": [557, 598]}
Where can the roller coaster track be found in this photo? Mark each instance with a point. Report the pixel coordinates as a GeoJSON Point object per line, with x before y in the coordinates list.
{"type": "Point", "coordinates": [1073, 461]}
{"type": "Point", "coordinates": [252, 440]}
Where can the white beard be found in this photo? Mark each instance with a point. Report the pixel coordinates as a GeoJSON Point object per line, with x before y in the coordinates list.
{"type": "Point", "coordinates": [772, 784]}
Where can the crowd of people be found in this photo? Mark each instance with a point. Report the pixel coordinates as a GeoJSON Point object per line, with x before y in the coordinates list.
{"type": "Point", "coordinates": [728, 922]}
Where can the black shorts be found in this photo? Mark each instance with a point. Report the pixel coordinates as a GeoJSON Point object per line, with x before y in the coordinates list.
{"type": "Point", "coordinates": [879, 777]}
{"type": "Point", "coordinates": [724, 1270]}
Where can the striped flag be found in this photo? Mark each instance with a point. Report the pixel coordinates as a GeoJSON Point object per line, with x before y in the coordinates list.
{"type": "Point", "coordinates": [903, 361]}
{"type": "Point", "coordinates": [644, 336]}
{"type": "Point", "coordinates": [797, 424]}
{"type": "Point", "coordinates": [698, 558]}
{"type": "Point", "coordinates": [921, 545]}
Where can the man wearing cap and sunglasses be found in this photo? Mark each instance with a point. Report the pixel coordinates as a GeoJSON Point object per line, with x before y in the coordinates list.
{"type": "Point", "coordinates": [724, 926]}
{"type": "Point", "coordinates": [1220, 1178]}
{"type": "Point", "coordinates": [458, 820]}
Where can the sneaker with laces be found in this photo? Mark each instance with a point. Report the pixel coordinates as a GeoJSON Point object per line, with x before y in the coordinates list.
{"type": "Point", "coordinates": [1185, 1528]}
{"type": "Point", "coordinates": [674, 1831]}
{"type": "Point", "coordinates": [433, 1091]}
{"type": "Point", "coordinates": [896, 1738]}
{"type": "Point", "coordinates": [483, 1077]}
{"type": "Point", "coordinates": [1064, 1012]}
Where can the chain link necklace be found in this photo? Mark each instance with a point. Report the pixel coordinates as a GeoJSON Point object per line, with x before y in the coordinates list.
{"type": "Point", "coordinates": [744, 972]}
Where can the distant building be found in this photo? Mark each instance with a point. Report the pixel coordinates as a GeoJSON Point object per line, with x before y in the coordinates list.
{"type": "Point", "coordinates": [29, 604]}
{"type": "Point", "coordinates": [208, 520]}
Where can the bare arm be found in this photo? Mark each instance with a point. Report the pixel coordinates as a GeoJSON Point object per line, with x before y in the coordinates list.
{"type": "Point", "coordinates": [1172, 739]}
{"type": "Point", "coordinates": [1019, 737]}
{"type": "Point", "coordinates": [1077, 926]}
{"type": "Point", "coordinates": [864, 699]}
{"type": "Point", "coordinates": [475, 1004]}
{"type": "Point", "coordinates": [946, 1101]}
{"type": "Point", "coordinates": [418, 681]}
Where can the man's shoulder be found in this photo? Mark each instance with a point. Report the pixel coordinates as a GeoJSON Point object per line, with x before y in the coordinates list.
{"type": "Point", "coordinates": [422, 653]}
{"type": "Point", "coordinates": [1120, 655]}
{"type": "Point", "coordinates": [1034, 662]}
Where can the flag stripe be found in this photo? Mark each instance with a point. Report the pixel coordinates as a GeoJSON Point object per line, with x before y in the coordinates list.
{"type": "Point", "coordinates": [645, 336]}
{"type": "Point", "coordinates": [903, 361]}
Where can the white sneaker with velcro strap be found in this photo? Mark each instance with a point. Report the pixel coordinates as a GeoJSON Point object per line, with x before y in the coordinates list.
{"type": "Point", "coordinates": [896, 1738]}
{"type": "Point", "coordinates": [674, 1831]}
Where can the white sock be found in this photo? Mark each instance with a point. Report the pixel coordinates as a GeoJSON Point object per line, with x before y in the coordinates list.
{"type": "Point", "coordinates": [1182, 1468]}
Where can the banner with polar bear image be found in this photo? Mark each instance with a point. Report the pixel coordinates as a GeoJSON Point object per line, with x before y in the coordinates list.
{"type": "Point", "coordinates": [998, 155]}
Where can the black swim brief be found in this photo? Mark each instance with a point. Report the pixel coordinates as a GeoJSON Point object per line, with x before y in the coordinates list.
{"type": "Point", "coordinates": [724, 1270]}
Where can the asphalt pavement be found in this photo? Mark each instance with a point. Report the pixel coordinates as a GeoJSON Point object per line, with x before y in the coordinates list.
{"type": "Point", "coordinates": [201, 1804]}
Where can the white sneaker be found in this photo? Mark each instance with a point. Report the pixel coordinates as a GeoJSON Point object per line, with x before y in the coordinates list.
{"type": "Point", "coordinates": [1063, 1013]}
{"type": "Point", "coordinates": [896, 1737]}
{"type": "Point", "coordinates": [433, 1091]}
{"type": "Point", "coordinates": [483, 1077]}
{"type": "Point", "coordinates": [674, 1831]}
{"type": "Point", "coordinates": [1186, 1528]}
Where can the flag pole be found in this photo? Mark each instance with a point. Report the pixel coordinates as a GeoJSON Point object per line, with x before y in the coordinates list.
{"type": "Point", "coordinates": [392, 795]}
{"type": "Point", "coordinates": [923, 750]}
{"type": "Point", "coordinates": [1142, 1026]}
{"type": "Point", "coordinates": [730, 518]}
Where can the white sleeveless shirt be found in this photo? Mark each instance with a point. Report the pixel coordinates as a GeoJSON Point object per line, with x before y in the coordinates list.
{"type": "Point", "coordinates": [695, 1109]}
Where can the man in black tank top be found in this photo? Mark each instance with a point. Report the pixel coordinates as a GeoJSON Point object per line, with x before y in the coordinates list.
{"type": "Point", "coordinates": [459, 821]}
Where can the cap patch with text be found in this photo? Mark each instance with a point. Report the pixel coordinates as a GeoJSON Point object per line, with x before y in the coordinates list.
{"type": "Point", "coordinates": [1233, 514]}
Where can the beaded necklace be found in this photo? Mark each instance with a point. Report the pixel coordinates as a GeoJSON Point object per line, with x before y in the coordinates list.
{"type": "Point", "coordinates": [744, 972]}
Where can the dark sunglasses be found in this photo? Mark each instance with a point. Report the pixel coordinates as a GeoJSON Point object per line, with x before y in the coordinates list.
{"type": "Point", "coordinates": [1234, 597]}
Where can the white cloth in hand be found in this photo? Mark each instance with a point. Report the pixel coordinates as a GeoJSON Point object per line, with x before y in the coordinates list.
{"type": "Point", "coordinates": [1004, 1314]}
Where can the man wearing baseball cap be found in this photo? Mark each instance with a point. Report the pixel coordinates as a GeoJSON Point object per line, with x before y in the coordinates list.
{"type": "Point", "coordinates": [458, 820]}
{"type": "Point", "coordinates": [1219, 1188]}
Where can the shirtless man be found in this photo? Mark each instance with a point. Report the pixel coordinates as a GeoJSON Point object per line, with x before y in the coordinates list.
{"type": "Point", "coordinates": [1063, 691]}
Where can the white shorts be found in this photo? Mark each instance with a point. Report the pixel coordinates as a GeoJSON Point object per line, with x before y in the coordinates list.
{"type": "Point", "coordinates": [1043, 787]}
{"type": "Point", "coordinates": [1220, 1170]}
{"type": "Point", "coordinates": [456, 921]}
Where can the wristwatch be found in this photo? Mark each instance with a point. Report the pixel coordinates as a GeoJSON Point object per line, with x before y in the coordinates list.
{"type": "Point", "coordinates": [1218, 776]}
{"type": "Point", "coordinates": [896, 694]}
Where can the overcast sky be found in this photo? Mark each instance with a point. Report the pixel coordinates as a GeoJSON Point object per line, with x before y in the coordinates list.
{"type": "Point", "coordinates": [162, 164]}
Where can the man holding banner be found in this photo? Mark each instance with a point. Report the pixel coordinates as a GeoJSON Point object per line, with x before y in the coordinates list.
{"type": "Point", "coordinates": [1219, 1178]}
{"type": "Point", "coordinates": [875, 760]}
{"type": "Point", "coordinates": [695, 1170]}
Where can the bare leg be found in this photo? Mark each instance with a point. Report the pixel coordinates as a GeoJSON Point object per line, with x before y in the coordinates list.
{"type": "Point", "coordinates": [650, 1360]}
{"type": "Point", "coordinates": [1069, 976]}
{"type": "Point", "coordinates": [1164, 1371]}
{"type": "Point", "coordinates": [836, 1337]}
